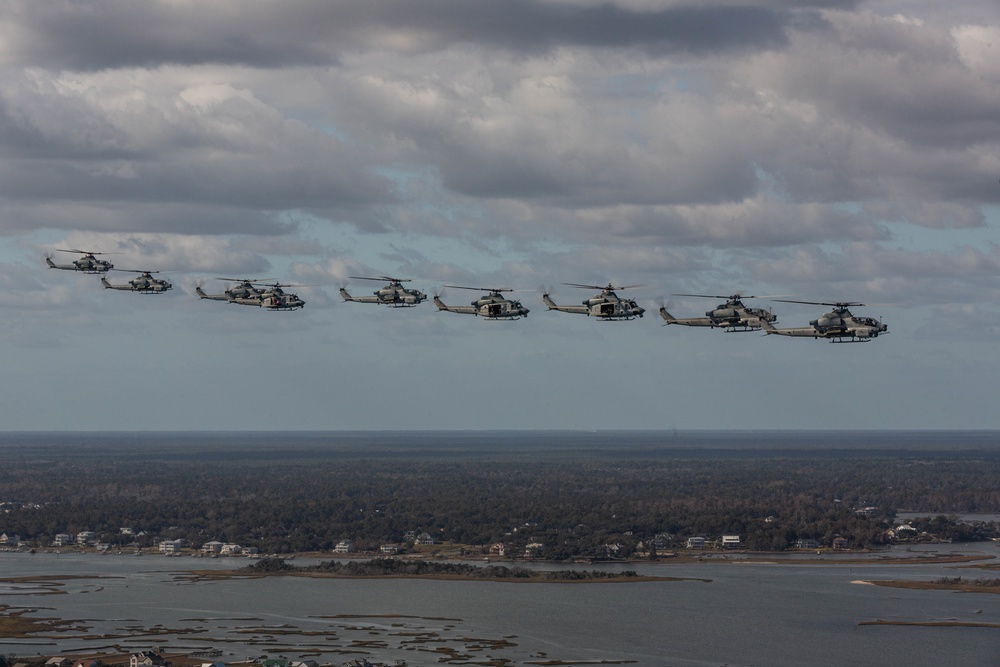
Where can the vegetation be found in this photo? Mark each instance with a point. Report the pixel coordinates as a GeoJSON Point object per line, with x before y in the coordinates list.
{"type": "Point", "coordinates": [594, 503]}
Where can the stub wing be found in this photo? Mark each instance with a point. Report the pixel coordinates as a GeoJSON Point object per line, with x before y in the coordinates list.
{"type": "Point", "coordinates": [465, 310]}
{"type": "Point", "coordinates": [552, 305]}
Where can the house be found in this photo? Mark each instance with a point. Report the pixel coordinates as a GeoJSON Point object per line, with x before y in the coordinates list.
{"type": "Point", "coordinates": [426, 539]}
{"type": "Point", "coordinates": [696, 543]}
{"type": "Point", "coordinates": [498, 549]}
{"type": "Point", "coordinates": [172, 546]}
{"type": "Point", "coordinates": [212, 547]}
{"type": "Point", "coordinates": [344, 547]}
{"type": "Point", "coordinates": [389, 549]}
{"type": "Point", "coordinates": [534, 550]}
{"type": "Point", "coordinates": [147, 659]}
{"type": "Point", "coordinates": [58, 662]}
{"type": "Point", "coordinates": [730, 542]}
{"type": "Point", "coordinates": [840, 543]}
{"type": "Point", "coordinates": [230, 549]}
{"type": "Point", "coordinates": [86, 537]}
{"type": "Point", "coordinates": [806, 543]}
{"type": "Point", "coordinates": [10, 540]}
{"type": "Point", "coordinates": [304, 663]}
{"type": "Point", "coordinates": [62, 539]}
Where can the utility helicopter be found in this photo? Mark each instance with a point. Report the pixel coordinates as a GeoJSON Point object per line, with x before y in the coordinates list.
{"type": "Point", "coordinates": [839, 325]}
{"type": "Point", "coordinates": [393, 294]}
{"type": "Point", "coordinates": [731, 315]}
{"type": "Point", "coordinates": [273, 298]}
{"type": "Point", "coordinates": [86, 264]}
{"type": "Point", "coordinates": [605, 305]}
{"type": "Point", "coordinates": [246, 289]}
{"type": "Point", "coordinates": [144, 283]}
{"type": "Point", "coordinates": [492, 306]}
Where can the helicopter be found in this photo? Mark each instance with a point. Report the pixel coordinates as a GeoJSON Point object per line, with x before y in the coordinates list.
{"type": "Point", "coordinates": [87, 264]}
{"type": "Point", "coordinates": [606, 305]}
{"type": "Point", "coordinates": [144, 283]}
{"type": "Point", "coordinates": [839, 325]}
{"type": "Point", "coordinates": [393, 294]}
{"type": "Point", "coordinates": [276, 298]}
{"type": "Point", "coordinates": [245, 290]}
{"type": "Point", "coordinates": [492, 306]}
{"type": "Point", "coordinates": [731, 315]}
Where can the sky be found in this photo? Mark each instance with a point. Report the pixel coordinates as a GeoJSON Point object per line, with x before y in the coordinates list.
{"type": "Point", "coordinates": [823, 151]}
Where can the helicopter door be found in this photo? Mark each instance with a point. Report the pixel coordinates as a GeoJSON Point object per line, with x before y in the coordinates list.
{"type": "Point", "coordinates": [607, 309]}
{"type": "Point", "coordinates": [494, 310]}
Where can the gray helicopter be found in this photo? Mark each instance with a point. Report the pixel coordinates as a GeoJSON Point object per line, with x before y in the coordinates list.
{"type": "Point", "coordinates": [605, 305]}
{"type": "Point", "coordinates": [86, 264]}
{"type": "Point", "coordinates": [731, 315]}
{"type": "Point", "coordinates": [144, 283]}
{"type": "Point", "coordinates": [275, 298]}
{"type": "Point", "coordinates": [393, 294]}
{"type": "Point", "coordinates": [492, 306]}
{"type": "Point", "coordinates": [246, 290]}
{"type": "Point", "coordinates": [839, 325]}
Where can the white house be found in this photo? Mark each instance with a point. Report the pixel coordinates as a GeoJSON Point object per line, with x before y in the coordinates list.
{"type": "Point", "coordinates": [344, 547]}
{"type": "Point", "coordinates": [696, 543]}
{"type": "Point", "coordinates": [62, 539]}
{"type": "Point", "coordinates": [730, 541]}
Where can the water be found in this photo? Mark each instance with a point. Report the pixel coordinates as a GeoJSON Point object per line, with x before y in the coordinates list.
{"type": "Point", "coordinates": [747, 614]}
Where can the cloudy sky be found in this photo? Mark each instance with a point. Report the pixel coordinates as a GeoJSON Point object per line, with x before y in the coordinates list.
{"type": "Point", "coordinates": [829, 150]}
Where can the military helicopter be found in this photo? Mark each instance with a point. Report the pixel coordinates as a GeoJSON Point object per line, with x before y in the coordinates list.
{"type": "Point", "coordinates": [731, 315]}
{"type": "Point", "coordinates": [246, 290]}
{"type": "Point", "coordinates": [393, 294]}
{"type": "Point", "coordinates": [492, 306]}
{"type": "Point", "coordinates": [839, 325]}
{"type": "Point", "coordinates": [86, 264]}
{"type": "Point", "coordinates": [605, 305]}
{"type": "Point", "coordinates": [144, 283]}
{"type": "Point", "coordinates": [276, 298]}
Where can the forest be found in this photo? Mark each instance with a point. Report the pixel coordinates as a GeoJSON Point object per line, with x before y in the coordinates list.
{"type": "Point", "coordinates": [595, 503]}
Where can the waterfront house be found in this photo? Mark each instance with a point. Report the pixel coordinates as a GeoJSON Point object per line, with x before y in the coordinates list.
{"type": "Point", "coordinates": [696, 543]}
{"type": "Point", "coordinates": [730, 542]}
{"type": "Point", "coordinates": [806, 543]}
{"type": "Point", "coordinates": [426, 539]}
{"type": "Point", "coordinates": [498, 549]}
{"type": "Point", "coordinates": [172, 546]}
{"type": "Point", "coordinates": [389, 549]}
{"type": "Point", "coordinates": [534, 550]}
{"type": "Point", "coordinates": [230, 549]}
{"type": "Point", "coordinates": [58, 662]}
{"type": "Point", "coordinates": [840, 543]}
{"type": "Point", "coordinates": [86, 537]}
{"type": "Point", "coordinates": [62, 539]}
{"type": "Point", "coordinates": [10, 540]}
{"type": "Point", "coordinates": [344, 547]}
{"type": "Point", "coordinates": [212, 547]}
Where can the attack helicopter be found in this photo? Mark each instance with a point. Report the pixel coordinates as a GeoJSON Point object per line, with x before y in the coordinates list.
{"type": "Point", "coordinates": [839, 325]}
{"type": "Point", "coordinates": [393, 294]}
{"type": "Point", "coordinates": [144, 283]}
{"type": "Point", "coordinates": [731, 315]}
{"type": "Point", "coordinates": [492, 306]}
{"type": "Point", "coordinates": [245, 290]}
{"type": "Point", "coordinates": [86, 264]}
{"type": "Point", "coordinates": [605, 305]}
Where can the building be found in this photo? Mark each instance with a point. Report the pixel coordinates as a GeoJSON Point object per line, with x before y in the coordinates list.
{"type": "Point", "coordinates": [426, 539]}
{"type": "Point", "coordinates": [212, 547]}
{"type": "Point", "coordinates": [172, 546]}
{"type": "Point", "coordinates": [806, 543]}
{"type": "Point", "coordinates": [389, 549]}
{"type": "Point", "coordinates": [62, 539]}
{"type": "Point", "coordinates": [840, 543]}
{"type": "Point", "coordinates": [696, 543]}
{"type": "Point", "coordinates": [86, 537]}
{"type": "Point", "coordinates": [344, 547]}
{"type": "Point", "coordinates": [146, 659]}
{"type": "Point", "coordinates": [730, 542]}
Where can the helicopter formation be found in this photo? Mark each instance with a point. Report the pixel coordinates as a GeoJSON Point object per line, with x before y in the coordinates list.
{"type": "Point", "coordinates": [839, 325]}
